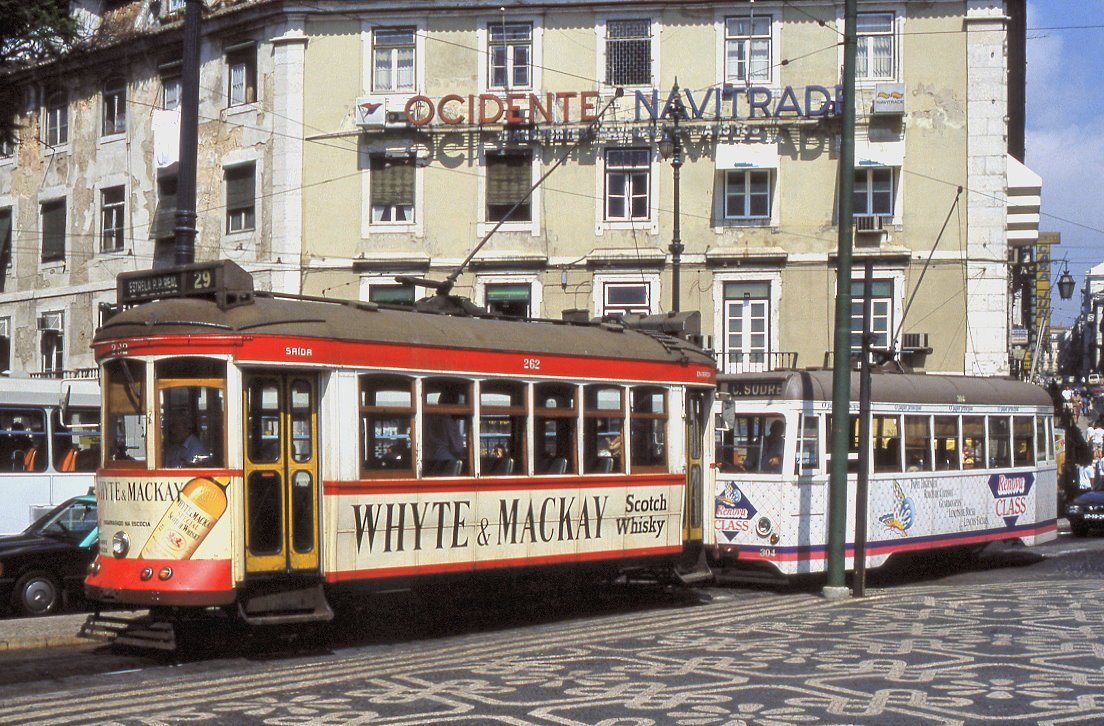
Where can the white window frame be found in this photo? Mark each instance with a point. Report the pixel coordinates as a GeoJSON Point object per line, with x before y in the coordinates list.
{"type": "Point", "coordinates": [120, 208]}
{"type": "Point", "coordinates": [747, 219]}
{"type": "Point", "coordinates": [654, 29]}
{"type": "Point", "coordinates": [484, 37]}
{"type": "Point", "coordinates": [367, 43]}
{"type": "Point", "coordinates": [55, 120]}
{"type": "Point", "coordinates": [649, 223]}
{"type": "Point", "coordinates": [9, 149]}
{"type": "Point", "coordinates": [171, 79]}
{"type": "Point", "coordinates": [367, 226]}
{"type": "Point", "coordinates": [894, 177]}
{"type": "Point", "coordinates": [113, 106]}
{"type": "Point", "coordinates": [601, 280]}
{"type": "Point", "coordinates": [893, 275]}
{"type": "Point", "coordinates": [530, 226]}
{"type": "Point", "coordinates": [395, 87]}
{"type": "Point", "coordinates": [773, 278]}
{"type": "Point", "coordinates": [240, 101]}
{"type": "Point", "coordinates": [392, 223]}
{"type": "Point", "coordinates": [536, 290]}
{"type": "Point", "coordinates": [60, 356]}
{"type": "Point", "coordinates": [772, 37]}
{"type": "Point", "coordinates": [868, 80]}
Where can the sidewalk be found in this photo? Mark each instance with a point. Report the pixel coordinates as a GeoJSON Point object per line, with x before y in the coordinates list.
{"type": "Point", "coordinates": [52, 631]}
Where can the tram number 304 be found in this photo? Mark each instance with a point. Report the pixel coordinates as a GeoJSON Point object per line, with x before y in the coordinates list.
{"type": "Point", "coordinates": [530, 364]}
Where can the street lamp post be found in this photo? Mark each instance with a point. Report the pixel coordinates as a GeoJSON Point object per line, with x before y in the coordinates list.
{"type": "Point", "coordinates": [676, 112]}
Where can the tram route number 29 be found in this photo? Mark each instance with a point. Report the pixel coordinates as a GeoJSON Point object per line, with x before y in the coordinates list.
{"type": "Point", "coordinates": [531, 364]}
{"type": "Point", "coordinates": [201, 279]}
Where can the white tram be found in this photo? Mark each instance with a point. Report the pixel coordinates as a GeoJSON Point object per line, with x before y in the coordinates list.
{"type": "Point", "coordinates": [955, 461]}
{"type": "Point", "coordinates": [262, 451]}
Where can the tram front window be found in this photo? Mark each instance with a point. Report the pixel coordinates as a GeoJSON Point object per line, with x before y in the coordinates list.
{"type": "Point", "coordinates": [125, 417]}
{"type": "Point", "coordinates": [191, 395]}
{"type": "Point", "coordinates": [754, 444]}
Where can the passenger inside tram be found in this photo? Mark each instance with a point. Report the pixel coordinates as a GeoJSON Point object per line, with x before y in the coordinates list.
{"type": "Point", "coordinates": [182, 447]}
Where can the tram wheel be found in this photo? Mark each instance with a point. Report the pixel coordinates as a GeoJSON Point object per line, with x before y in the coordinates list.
{"type": "Point", "coordinates": [37, 593]}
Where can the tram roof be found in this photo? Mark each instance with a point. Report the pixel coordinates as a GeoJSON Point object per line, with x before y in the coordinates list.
{"type": "Point", "coordinates": [354, 321]}
{"type": "Point", "coordinates": [886, 387]}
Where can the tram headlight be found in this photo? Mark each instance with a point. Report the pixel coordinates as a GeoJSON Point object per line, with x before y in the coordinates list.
{"type": "Point", "coordinates": [120, 545]}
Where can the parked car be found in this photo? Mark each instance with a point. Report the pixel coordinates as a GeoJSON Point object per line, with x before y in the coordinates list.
{"type": "Point", "coordinates": [1086, 512]}
{"type": "Point", "coordinates": [43, 568]}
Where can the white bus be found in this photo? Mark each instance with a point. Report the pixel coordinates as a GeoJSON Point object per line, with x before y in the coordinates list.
{"type": "Point", "coordinates": [49, 445]}
{"type": "Point", "coordinates": [955, 461]}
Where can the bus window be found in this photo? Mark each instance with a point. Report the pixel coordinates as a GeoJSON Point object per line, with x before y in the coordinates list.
{"type": "Point", "coordinates": [1000, 442]}
{"type": "Point", "coordinates": [886, 433]}
{"type": "Point", "coordinates": [386, 422]}
{"type": "Point", "coordinates": [502, 424]}
{"type": "Point", "coordinates": [604, 415]}
{"type": "Point", "coordinates": [973, 442]}
{"type": "Point", "coordinates": [76, 440]}
{"type": "Point", "coordinates": [917, 443]}
{"type": "Point", "coordinates": [1023, 440]}
{"type": "Point", "coordinates": [648, 429]}
{"type": "Point", "coordinates": [23, 440]}
{"type": "Point", "coordinates": [555, 417]}
{"type": "Point", "coordinates": [946, 443]}
{"type": "Point", "coordinates": [808, 445]}
{"type": "Point", "coordinates": [192, 412]}
{"type": "Point", "coordinates": [125, 417]}
{"type": "Point", "coordinates": [446, 427]}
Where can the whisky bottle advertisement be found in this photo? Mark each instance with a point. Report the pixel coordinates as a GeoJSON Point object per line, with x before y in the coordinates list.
{"type": "Point", "coordinates": [187, 521]}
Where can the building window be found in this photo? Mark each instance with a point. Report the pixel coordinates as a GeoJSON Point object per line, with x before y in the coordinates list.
{"type": "Point", "coordinates": [875, 57]}
{"type": "Point", "coordinates": [392, 190]}
{"type": "Point", "coordinates": [7, 146]}
{"type": "Point", "coordinates": [53, 230]}
{"type": "Point", "coordinates": [171, 6]}
{"type": "Point", "coordinates": [393, 58]}
{"type": "Point", "coordinates": [240, 199]}
{"type": "Point", "coordinates": [5, 345]}
{"type": "Point", "coordinates": [112, 208]}
{"type": "Point", "coordinates": [392, 293]}
{"type": "Point", "coordinates": [171, 90]}
{"type": "Point", "coordinates": [51, 332]}
{"type": "Point", "coordinates": [509, 55]}
{"type": "Point", "coordinates": [748, 49]}
{"type": "Point", "coordinates": [881, 319]}
{"type": "Point", "coordinates": [5, 242]}
{"type": "Point", "coordinates": [747, 321]}
{"type": "Point", "coordinates": [623, 298]}
{"type": "Point", "coordinates": [242, 67]}
{"type": "Point", "coordinates": [627, 177]}
{"type": "Point", "coordinates": [56, 126]}
{"type": "Point", "coordinates": [511, 299]}
{"type": "Point", "coordinates": [628, 52]}
{"type": "Point", "coordinates": [747, 194]}
{"type": "Point", "coordinates": [509, 177]}
{"type": "Point", "coordinates": [874, 192]}
{"type": "Point", "coordinates": [114, 106]}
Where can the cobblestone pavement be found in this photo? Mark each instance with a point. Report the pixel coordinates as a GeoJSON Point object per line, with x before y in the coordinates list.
{"type": "Point", "coordinates": [1016, 652]}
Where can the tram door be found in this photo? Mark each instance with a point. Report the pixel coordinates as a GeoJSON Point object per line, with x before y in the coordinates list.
{"type": "Point", "coordinates": [696, 412]}
{"type": "Point", "coordinates": [281, 473]}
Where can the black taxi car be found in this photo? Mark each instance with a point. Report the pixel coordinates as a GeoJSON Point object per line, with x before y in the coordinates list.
{"type": "Point", "coordinates": [1086, 512]}
{"type": "Point", "coordinates": [44, 566]}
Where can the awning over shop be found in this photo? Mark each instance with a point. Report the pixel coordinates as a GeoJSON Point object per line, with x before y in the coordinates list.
{"type": "Point", "coordinates": [1025, 189]}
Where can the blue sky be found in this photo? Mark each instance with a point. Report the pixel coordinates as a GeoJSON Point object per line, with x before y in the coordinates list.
{"type": "Point", "coordinates": [1065, 131]}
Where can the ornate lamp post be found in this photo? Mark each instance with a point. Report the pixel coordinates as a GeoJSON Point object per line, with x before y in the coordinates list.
{"type": "Point", "coordinates": [671, 147]}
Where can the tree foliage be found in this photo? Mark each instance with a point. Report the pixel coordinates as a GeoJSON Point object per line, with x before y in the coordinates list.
{"type": "Point", "coordinates": [30, 31]}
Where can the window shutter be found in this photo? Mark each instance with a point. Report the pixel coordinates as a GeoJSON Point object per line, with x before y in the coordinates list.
{"type": "Point", "coordinates": [164, 222]}
{"type": "Point", "coordinates": [392, 181]}
{"type": "Point", "coordinates": [239, 187]}
{"type": "Point", "coordinates": [508, 178]}
{"type": "Point", "coordinates": [53, 231]}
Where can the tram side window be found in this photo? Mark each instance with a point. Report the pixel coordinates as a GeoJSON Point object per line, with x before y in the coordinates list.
{"type": "Point", "coordinates": [1000, 442]}
{"type": "Point", "coordinates": [973, 442]}
{"type": "Point", "coordinates": [386, 422]}
{"type": "Point", "coordinates": [946, 444]}
{"type": "Point", "coordinates": [446, 427]}
{"type": "Point", "coordinates": [262, 401]}
{"type": "Point", "coordinates": [808, 445]}
{"type": "Point", "coordinates": [555, 416]}
{"type": "Point", "coordinates": [917, 443]}
{"type": "Point", "coordinates": [192, 412]}
{"type": "Point", "coordinates": [1042, 426]}
{"type": "Point", "coordinates": [1023, 440]}
{"type": "Point", "coordinates": [77, 440]}
{"type": "Point", "coordinates": [22, 440]}
{"type": "Point", "coordinates": [502, 425]}
{"type": "Point", "coordinates": [886, 434]}
{"type": "Point", "coordinates": [648, 429]}
{"type": "Point", "coordinates": [603, 417]}
{"type": "Point", "coordinates": [852, 442]}
{"type": "Point", "coordinates": [125, 417]}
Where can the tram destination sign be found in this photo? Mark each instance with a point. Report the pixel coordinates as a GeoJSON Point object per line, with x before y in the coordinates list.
{"type": "Point", "coordinates": [754, 389]}
{"type": "Point", "coordinates": [222, 282]}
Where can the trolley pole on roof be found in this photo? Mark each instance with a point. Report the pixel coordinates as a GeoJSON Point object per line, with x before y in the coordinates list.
{"type": "Point", "coordinates": [841, 358]}
{"type": "Point", "coordinates": [185, 229]}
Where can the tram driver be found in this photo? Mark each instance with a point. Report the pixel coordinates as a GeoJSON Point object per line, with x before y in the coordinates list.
{"type": "Point", "coordinates": [182, 447]}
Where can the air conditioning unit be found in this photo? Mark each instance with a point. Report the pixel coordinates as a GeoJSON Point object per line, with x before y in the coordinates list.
{"type": "Point", "coordinates": [50, 322]}
{"type": "Point", "coordinates": [915, 343]}
{"type": "Point", "coordinates": [396, 119]}
{"type": "Point", "coordinates": [868, 223]}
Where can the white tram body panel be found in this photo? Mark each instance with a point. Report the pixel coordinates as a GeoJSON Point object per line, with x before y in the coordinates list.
{"type": "Point", "coordinates": [780, 520]}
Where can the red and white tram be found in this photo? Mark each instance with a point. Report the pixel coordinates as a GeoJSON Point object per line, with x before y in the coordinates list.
{"type": "Point", "coordinates": [262, 451]}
